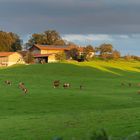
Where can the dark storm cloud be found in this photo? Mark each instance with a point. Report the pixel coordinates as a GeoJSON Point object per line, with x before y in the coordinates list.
{"type": "Point", "coordinates": [71, 16]}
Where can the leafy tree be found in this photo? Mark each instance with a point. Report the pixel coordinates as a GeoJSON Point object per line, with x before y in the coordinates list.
{"type": "Point", "coordinates": [74, 53]}
{"type": "Point", "coordinates": [29, 57]}
{"type": "Point", "coordinates": [49, 37]}
{"type": "Point", "coordinates": [105, 49]}
{"type": "Point", "coordinates": [136, 57]}
{"type": "Point", "coordinates": [9, 41]}
{"type": "Point", "coordinates": [116, 54]}
{"type": "Point", "coordinates": [60, 56]}
{"type": "Point", "coordinates": [128, 57]}
{"type": "Point", "coordinates": [16, 42]}
{"type": "Point", "coordinates": [53, 38]}
{"type": "Point", "coordinates": [88, 52]}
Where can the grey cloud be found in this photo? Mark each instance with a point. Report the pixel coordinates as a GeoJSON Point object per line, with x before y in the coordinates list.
{"type": "Point", "coordinates": [71, 16]}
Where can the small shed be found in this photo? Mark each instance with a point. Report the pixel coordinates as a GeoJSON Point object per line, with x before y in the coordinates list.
{"type": "Point", "coordinates": [11, 58]}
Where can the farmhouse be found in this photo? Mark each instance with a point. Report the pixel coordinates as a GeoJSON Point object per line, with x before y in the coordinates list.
{"type": "Point", "coordinates": [46, 53]}
{"type": "Point", "coordinates": [10, 58]}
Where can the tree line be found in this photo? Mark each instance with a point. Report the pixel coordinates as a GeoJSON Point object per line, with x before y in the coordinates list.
{"type": "Point", "coordinates": [10, 41]}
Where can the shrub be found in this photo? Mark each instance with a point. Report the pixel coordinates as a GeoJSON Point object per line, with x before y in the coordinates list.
{"type": "Point", "coordinates": [128, 57]}
{"type": "Point", "coordinates": [60, 56]}
{"type": "Point", "coordinates": [29, 57]}
{"type": "Point", "coordinates": [74, 53]}
{"type": "Point", "coordinates": [116, 55]}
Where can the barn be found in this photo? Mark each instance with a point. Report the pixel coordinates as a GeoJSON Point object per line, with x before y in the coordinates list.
{"type": "Point", "coordinates": [10, 58]}
{"type": "Point", "coordinates": [46, 53]}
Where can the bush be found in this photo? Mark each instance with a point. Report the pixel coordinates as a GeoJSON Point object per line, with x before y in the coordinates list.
{"type": "Point", "coordinates": [60, 56]}
{"type": "Point", "coordinates": [116, 55]}
{"type": "Point", "coordinates": [136, 57]}
{"type": "Point", "coordinates": [74, 53]}
{"type": "Point", "coordinates": [128, 57]}
{"type": "Point", "coordinates": [29, 57]}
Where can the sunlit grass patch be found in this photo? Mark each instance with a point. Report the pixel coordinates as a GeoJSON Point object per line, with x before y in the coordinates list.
{"type": "Point", "coordinates": [123, 65]}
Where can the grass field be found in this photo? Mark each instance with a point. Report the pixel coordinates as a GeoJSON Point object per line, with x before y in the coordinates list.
{"type": "Point", "coordinates": [71, 113]}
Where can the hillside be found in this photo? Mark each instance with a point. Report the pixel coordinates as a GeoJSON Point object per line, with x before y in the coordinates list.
{"type": "Point", "coordinates": [46, 112]}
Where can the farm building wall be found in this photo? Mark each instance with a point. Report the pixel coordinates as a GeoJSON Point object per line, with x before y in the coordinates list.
{"type": "Point", "coordinates": [15, 58]}
{"type": "Point", "coordinates": [51, 58]}
{"type": "Point", "coordinates": [50, 51]}
{"type": "Point", "coordinates": [3, 61]}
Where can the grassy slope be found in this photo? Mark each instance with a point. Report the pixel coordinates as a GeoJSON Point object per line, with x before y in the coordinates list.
{"type": "Point", "coordinates": [47, 112]}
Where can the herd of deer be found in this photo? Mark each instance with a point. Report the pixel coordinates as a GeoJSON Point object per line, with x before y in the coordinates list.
{"type": "Point", "coordinates": [56, 84]}
{"type": "Point", "coordinates": [21, 85]}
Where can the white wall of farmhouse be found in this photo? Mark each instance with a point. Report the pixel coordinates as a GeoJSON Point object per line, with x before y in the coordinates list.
{"type": "Point", "coordinates": [3, 61]}
{"type": "Point", "coordinates": [14, 58]}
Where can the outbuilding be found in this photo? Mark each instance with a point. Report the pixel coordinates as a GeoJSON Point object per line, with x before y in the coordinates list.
{"type": "Point", "coordinates": [11, 58]}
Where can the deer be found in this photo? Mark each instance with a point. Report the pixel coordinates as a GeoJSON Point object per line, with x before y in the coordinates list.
{"type": "Point", "coordinates": [7, 82]}
{"type": "Point", "coordinates": [56, 83]}
{"type": "Point", "coordinates": [21, 85]}
{"type": "Point", "coordinates": [66, 85]}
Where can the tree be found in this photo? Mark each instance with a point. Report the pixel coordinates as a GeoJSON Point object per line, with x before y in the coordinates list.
{"type": "Point", "coordinates": [16, 46]}
{"type": "Point", "coordinates": [88, 52]}
{"type": "Point", "coordinates": [128, 57]}
{"type": "Point", "coordinates": [53, 38]}
{"type": "Point", "coordinates": [29, 57]}
{"type": "Point", "coordinates": [9, 41]}
{"type": "Point", "coordinates": [60, 56]}
{"type": "Point", "coordinates": [74, 53]}
{"type": "Point", "coordinates": [136, 57]}
{"type": "Point", "coordinates": [105, 49]}
{"type": "Point", "coordinates": [36, 39]}
{"type": "Point", "coordinates": [49, 37]}
{"type": "Point", "coordinates": [116, 54]}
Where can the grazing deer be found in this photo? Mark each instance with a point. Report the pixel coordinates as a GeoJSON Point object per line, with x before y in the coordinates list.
{"type": "Point", "coordinates": [66, 85]}
{"type": "Point", "coordinates": [56, 83]}
{"type": "Point", "coordinates": [21, 85]}
{"type": "Point", "coordinates": [25, 90]}
{"type": "Point", "coordinates": [7, 82]}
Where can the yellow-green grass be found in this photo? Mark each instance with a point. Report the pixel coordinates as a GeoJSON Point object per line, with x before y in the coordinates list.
{"type": "Point", "coordinates": [46, 112]}
{"type": "Point", "coordinates": [123, 65]}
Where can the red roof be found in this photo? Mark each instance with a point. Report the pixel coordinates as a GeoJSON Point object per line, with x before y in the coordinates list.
{"type": "Point", "coordinates": [51, 47]}
{"type": "Point", "coordinates": [54, 47]}
{"type": "Point", "coordinates": [4, 54]}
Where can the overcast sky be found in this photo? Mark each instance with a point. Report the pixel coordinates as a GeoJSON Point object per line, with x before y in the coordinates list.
{"type": "Point", "coordinates": [82, 21]}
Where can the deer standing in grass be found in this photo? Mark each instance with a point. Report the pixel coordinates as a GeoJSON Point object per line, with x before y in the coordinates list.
{"type": "Point", "coordinates": [22, 87]}
{"type": "Point", "coordinates": [7, 82]}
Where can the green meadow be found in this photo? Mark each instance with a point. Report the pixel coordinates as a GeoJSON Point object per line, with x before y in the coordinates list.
{"type": "Point", "coordinates": [45, 112]}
